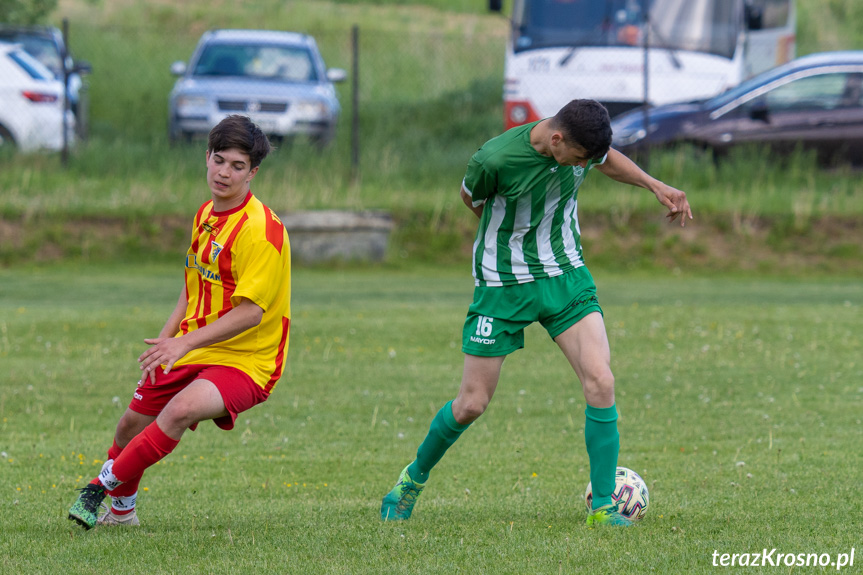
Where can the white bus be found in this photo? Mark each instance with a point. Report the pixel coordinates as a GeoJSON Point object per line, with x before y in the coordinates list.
{"type": "Point", "coordinates": [693, 49]}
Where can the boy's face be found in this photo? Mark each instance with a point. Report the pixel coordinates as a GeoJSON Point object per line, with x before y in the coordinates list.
{"type": "Point", "coordinates": [566, 154]}
{"type": "Point", "coordinates": [229, 174]}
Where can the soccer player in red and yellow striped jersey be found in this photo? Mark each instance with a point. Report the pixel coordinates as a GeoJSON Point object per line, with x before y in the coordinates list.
{"type": "Point", "coordinates": [223, 348]}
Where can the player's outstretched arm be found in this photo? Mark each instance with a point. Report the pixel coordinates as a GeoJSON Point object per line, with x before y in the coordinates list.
{"type": "Point", "coordinates": [620, 168]}
{"type": "Point", "coordinates": [168, 350]}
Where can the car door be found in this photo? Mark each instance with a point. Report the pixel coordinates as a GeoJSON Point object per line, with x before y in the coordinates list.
{"type": "Point", "coordinates": [809, 110]}
{"type": "Point", "coordinates": [806, 113]}
{"type": "Point", "coordinates": [850, 124]}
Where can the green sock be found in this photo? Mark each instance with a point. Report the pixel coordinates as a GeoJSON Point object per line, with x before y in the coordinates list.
{"type": "Point", "coordinates": [443, 432]}
{"type": "Point", "coordinates": [603, 446]}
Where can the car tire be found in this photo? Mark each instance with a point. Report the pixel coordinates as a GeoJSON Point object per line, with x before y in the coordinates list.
{"type": "Point", "coordinates": [176, 135]}
{"type": "Point", "coordinates": [7, 142]}
{"type": "Point", "coordinates": [325, 138]}
{"type": "Point", "coordinates": [282, 142]}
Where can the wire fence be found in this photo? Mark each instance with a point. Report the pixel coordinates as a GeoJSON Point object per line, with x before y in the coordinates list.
{"type": "Point", "coordinates": [355, 87]}
{"type": "Point", "coordinates": [129, 87]}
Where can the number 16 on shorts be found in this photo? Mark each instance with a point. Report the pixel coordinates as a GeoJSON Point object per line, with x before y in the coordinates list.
{"type": "Point", "coordinates": [484, 326]}
{"type": "Point", "coordinates": [482, 335]}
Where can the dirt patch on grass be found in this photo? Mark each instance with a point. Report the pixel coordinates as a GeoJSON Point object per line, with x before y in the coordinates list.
{"type": "Point", "coordinates": [99, 239]}
{"type": "Point", "coordinates": [720, 242]}
{"type": "Point", "coordinates": [727, 242]}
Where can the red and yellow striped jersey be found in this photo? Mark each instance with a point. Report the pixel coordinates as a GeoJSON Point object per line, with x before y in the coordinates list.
{"type": "Point", "coordinates": [241, 253]}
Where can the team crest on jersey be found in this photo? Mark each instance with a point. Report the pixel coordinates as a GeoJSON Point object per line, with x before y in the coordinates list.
{"type": "Point", "coordinates": [217, 249]}
{"type": "Point", "coordinates": [554, 169]}
{"type": "Point", "coordinates": [578, 171]}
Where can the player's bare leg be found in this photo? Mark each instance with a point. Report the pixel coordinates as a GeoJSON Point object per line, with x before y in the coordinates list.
{"type": "Point", "coordinates": [586, 347]}
{"type": "Point", "coordinates": [478, 383]}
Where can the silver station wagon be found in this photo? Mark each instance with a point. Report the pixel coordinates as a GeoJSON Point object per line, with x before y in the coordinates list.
{"type": "Point", "coordinates": [278, 79]}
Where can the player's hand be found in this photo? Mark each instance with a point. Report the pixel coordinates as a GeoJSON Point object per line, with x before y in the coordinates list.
{"type": "Point", "coordinates": [676, 202]}
{"type": "Point", "coordinates": [163, 351]}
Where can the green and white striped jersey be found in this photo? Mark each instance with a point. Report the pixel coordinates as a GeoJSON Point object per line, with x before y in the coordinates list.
{"type": "Point", "coordinates": [529, 227]}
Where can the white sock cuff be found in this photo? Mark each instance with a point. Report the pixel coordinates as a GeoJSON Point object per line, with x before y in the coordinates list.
{"type": "Point", "coordinates": [125, 503]}
{"type": "Point", "coordinates": [107, 477]}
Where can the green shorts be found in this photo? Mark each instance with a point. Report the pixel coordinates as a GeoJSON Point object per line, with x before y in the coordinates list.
{"type": "Point", "coordinates": [498, 315]}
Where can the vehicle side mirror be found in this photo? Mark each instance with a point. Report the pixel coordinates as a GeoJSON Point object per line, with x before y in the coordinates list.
{"type": "Point", "coordinates": [759, 112]}
{"type": "Point", "coordinates": [336, 75]}
{"type": "Point", "coordinates": [495, 5]}
{"type": "Point", "coordinates": [82, 67]}
{"type": "Point", "coordinates": [178, 68]}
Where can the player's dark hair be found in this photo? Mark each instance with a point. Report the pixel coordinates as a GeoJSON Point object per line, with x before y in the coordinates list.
{"type": "Point", "coordinates": [241, 133]}
{"type": "Point", "coordinates": [586, 123]}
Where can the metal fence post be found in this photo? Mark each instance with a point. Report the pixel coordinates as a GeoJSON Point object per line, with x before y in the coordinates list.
{"type": "Point", "coordinates": [355, 104]}
{"type": "Point", "coordinates": [64, 155]}
{"type": "Point", "coordinates": [646, 116]}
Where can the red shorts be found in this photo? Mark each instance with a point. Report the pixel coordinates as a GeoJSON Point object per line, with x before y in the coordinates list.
{"type": "Point", "coordinates": [237, 389]}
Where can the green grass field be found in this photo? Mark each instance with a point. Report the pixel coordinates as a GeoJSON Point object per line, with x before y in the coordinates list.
{"type": "Point", "coordinates": [740, 404]}
{"type": "Point", "coordinates": [740, 395]}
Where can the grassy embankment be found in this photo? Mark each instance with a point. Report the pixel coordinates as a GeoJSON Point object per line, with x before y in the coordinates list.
{"type": "Point", "coordinates": [430, 86]}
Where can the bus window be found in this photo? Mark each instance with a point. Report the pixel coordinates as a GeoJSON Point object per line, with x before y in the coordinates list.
{"type": "Point", "coordinates": [763, 14]}
{"type": "Point", "coordinates": [709, 26]}
{"type": "Point", "coordinates": [544, 23]}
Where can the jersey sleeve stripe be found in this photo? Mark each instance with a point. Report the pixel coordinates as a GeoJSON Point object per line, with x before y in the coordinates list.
{"type": "Point", "coordinates": [275, 230]}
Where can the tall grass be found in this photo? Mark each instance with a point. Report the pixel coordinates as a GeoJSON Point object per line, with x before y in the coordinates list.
{"type": "Point", "coordinates": [407, 172]}
{"type": "Point", "coordinates": [430, 94]}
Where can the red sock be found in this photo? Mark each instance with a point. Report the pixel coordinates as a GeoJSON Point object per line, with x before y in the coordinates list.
{"type": "Point", "coordinates": [115, 451]}
{"type": "Point", "coordinates": [125, 489]}
{"type": "Point", "coordinates": [145, 449]}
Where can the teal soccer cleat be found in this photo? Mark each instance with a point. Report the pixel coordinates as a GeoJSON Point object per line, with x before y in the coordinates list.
{"type": "Point", "coordinates": [399, 503]}
{"type": "Point", "coordinates": [84, 510]}
{"type": "Point", "coordinates": [608, 515]}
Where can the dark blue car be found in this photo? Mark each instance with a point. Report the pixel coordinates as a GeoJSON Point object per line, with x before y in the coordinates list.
{"type": "Point", "coordinates": [813, 103]}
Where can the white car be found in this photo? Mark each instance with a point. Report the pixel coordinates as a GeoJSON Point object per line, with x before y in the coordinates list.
{"type": "Point", "coordinates": [47, 44]}
{"type": "Point", "coordinates": [32, 107]}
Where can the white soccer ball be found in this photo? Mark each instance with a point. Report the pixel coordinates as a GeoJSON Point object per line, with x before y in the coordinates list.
{"type": "Point", "coordinates": [629, 488]}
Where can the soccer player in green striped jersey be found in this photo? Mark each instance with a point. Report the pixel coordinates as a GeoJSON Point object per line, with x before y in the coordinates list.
{"type": "Point", "coordinates": [528, 267]}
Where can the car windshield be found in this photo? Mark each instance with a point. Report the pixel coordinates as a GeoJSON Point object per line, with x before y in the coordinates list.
{"type": "Point", "coordinates": [710, 26]}
{"type": "Point", "coordinates": [30, 65]}
{"type": "Point", "coordinates": [268, 61]}
{"type": "Point", "coordinates": [40, 47]}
